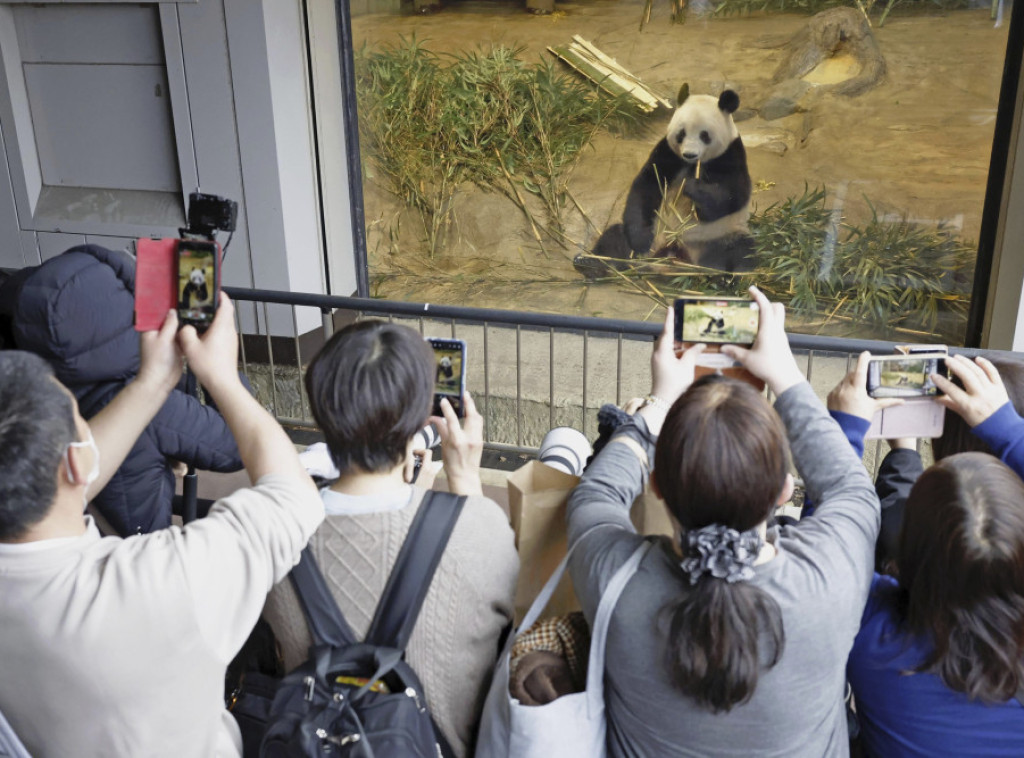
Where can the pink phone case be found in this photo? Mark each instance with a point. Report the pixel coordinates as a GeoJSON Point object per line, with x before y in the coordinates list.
{"type": "Point", "coordinates": [917, 417]}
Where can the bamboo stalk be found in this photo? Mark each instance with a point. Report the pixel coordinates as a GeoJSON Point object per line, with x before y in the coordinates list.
{"type": "Point", "coordinates": [615, 65]}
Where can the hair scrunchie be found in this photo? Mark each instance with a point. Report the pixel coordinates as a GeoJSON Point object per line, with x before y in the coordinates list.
{"type": "Point", "coordinates": [722, 552]}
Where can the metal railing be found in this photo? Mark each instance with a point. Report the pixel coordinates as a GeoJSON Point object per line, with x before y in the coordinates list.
{"type": "Point", "coordinates": [584, 362]}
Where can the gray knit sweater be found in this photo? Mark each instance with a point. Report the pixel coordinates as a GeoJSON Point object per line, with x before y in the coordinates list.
{"type": "Point", "coordinates": [455, 642]}
{"type": "Point", "coordinates": [819, 577]}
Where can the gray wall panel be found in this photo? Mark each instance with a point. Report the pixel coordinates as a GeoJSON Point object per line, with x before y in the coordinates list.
{"type": "Point", "coordinates": [10, 239]}
{"type": "Point", "coordinates": [181, 110]}
{"type": "Point", "coordinates": [208, 73]}
{"type": "Point", "coordinates": [103, 126]}
{"type": "Point", "coordinates": [52, 244]}
{"type": "Point", "coordinates": [17, 118]}
{"type": "Point", "coordinates": [112, 34]}
{"type": "Point", "coordinates": [30, 248]}
{"type": "Point", "coordinates": [112, 243]}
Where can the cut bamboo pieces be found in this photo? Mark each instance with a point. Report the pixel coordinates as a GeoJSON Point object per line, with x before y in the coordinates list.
{"type": "Point", "coordinates": [606, 72]}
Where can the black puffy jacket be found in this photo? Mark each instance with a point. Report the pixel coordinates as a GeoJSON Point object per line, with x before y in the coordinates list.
{"type": "Point", "coordinates": [76, 311]}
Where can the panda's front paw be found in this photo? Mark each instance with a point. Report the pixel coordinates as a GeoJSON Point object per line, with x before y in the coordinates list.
{"type": "Point", "coordinates": [613, 243]}
{"type": "Point", "coordinates": [639, 239]}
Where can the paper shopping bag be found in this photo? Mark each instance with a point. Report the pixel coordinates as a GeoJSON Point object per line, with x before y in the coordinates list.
{"type": "Point", "coordinates": [649, 514]}
{"type": "Point", "coordinates": [537, 495]}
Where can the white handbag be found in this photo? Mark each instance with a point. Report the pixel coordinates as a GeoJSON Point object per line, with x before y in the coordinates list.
{"type": "Point", "coordinates": [573, 726]}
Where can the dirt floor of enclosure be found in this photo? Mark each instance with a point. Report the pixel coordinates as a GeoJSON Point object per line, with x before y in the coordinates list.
{"type": "Point", "coordinates": [916, 145]}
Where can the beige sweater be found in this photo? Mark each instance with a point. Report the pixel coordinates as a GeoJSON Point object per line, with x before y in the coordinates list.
{"type": "Point", "coordinates": [455, 642]}
{"type": "Point", "coordinates": [116, 647]}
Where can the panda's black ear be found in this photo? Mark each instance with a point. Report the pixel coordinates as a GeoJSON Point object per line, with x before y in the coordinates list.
{"type": "Point", "coordinates": [728, 101]}
{"type": "Point", "coordinates": [684, 92]}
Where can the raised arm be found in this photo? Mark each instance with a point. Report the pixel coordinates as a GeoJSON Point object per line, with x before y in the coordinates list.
{"type": "Point", "coordinates": [116, 428]}
{"type": "Point", "coordinates": [617, 476]}
{"type": "Point", "coordinates": [845, 524]}
{"type": "Point", "coordinates": [262, 443]}
{"type": "Point", "coordinates": [985, 406]}
{"type": "Point", "coordinates": [252, 538]}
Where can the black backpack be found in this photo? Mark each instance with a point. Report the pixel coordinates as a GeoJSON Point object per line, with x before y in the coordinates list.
{"type": "Point", "coordinates": [361, 699]}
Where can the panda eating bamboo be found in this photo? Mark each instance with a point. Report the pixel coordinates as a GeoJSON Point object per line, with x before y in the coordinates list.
{"type": "Point", "coordinates": [703, 149]}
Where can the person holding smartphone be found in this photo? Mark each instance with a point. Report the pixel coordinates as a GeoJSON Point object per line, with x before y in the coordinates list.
{"type": "Point", "coordinates": [731, 639]}
{"type": "Point", "coordinates": [936, 668]}
{"type": "Point", "coordinates": [371, 389]}
{"type": "Point", "coordinates": [118, 647]}
{"type": "Point", "coordinates": [75, 310]}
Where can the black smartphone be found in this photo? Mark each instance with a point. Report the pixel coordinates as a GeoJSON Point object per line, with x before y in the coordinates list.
{"type": "Point", "coordinates": [449, 373]}
{"type": "Point", "coordinates": [719, 320]}
{"type": "Point", "coordinates": [198, 282]}
{"type": "Point", "coordinates": [905, 376]}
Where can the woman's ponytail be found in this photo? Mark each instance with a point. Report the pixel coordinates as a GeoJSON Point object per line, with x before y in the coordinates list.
{"type": "Point", "coordinates": [720, 465]}
{"type": "Point", "coordinates": [721, 635]}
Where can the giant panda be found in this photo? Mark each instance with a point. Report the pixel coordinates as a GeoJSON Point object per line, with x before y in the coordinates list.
{"type": "Point", "coordinates": [703, 148]}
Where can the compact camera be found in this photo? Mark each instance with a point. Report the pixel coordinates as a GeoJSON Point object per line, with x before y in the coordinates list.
{"type": "Point", "coordinates": [210, 213]}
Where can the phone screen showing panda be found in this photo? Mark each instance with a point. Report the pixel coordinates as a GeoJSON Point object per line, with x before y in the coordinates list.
{"type": "Point", "coordinates": [730, 321]}
{"type": "Point", "coordinates": [449, 373]}
{"type": "Point", "coordinates": [197, 282]}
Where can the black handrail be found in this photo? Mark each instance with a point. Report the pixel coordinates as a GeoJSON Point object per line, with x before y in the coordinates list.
{"type": "Point", "coordinates": [636, 329]}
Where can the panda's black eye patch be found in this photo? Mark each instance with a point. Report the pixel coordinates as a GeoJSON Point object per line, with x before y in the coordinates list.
{"type": "Point", "coordinates": [705, 138]}
{"type": "Point", "coordinates": [680, 136]}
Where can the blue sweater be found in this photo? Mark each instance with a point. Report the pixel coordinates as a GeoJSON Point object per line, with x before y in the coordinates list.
{"type": "Point", "coordinates": [903, 715]}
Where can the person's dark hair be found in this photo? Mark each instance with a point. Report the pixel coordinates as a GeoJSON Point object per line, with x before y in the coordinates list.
{"type": "Point", "coordinates": [371, 388]}
{"type": "Point", "coordinates": [956, 434]}
{"type": "Point", "coordinates": [36, 424]}
{"type": "Point", "coordinates": [722, 458]}
{"type": "Point", "coordinates": [961, 569]}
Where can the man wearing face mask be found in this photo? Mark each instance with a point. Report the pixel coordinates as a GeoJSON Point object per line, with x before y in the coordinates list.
{"type": "Point", "coordinates": [118, 647]}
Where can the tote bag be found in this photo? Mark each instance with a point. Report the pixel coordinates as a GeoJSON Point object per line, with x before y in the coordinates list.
{"type": "Point", "coordinates": [573, 726]}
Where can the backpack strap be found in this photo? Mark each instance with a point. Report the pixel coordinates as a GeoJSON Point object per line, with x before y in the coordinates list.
{"type": "Point", "coordinates": [407, 586]}
{"type": "Point", "coordinates": [327, 625]}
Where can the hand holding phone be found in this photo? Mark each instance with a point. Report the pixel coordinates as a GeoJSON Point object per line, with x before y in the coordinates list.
{"type": "Point", "coordinates": [672, 372]}
{"type": "Point", "coordinates": [770, 358]}
{"type": "Point", "coordinates": [983, 390]}
{"type": "Point", "coordinates": [851, 396]}
{"type": "Point", "coordinates": [449, 373]}
{"type": "Point", "coordinates": [462, 446]}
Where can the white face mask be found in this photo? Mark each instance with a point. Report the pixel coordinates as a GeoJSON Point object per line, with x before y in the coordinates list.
{"type": "Point", "coordinates": [94, 472]}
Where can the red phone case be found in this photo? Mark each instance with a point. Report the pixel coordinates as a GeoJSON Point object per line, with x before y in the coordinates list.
{"type": "Point", "coordinates": [154, 282]}
{"type": "Point", "coordinates": [156, 278]}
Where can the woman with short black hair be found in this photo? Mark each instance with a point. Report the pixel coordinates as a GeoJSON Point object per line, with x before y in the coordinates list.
{"type": "Point", "coordinates": [731, 638]}
{"type": "Point", "coordinates": [371, 389]}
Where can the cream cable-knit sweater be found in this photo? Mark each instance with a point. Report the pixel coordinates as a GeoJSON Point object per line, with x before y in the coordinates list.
{"type": "Point", "coordinates": [455, 642]}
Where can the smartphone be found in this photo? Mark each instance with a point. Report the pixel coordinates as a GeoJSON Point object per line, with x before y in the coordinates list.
{"type": "Point", "coordinates": [905, 376]}
{"type": "Point", "coordinates": [197, 270]}
{"type": "Point", "coordinates": [449, 373]}
{"type": "Point", "coordinates": [920, 349]}
{"type": "Point", "coordinates": [716, 321]}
